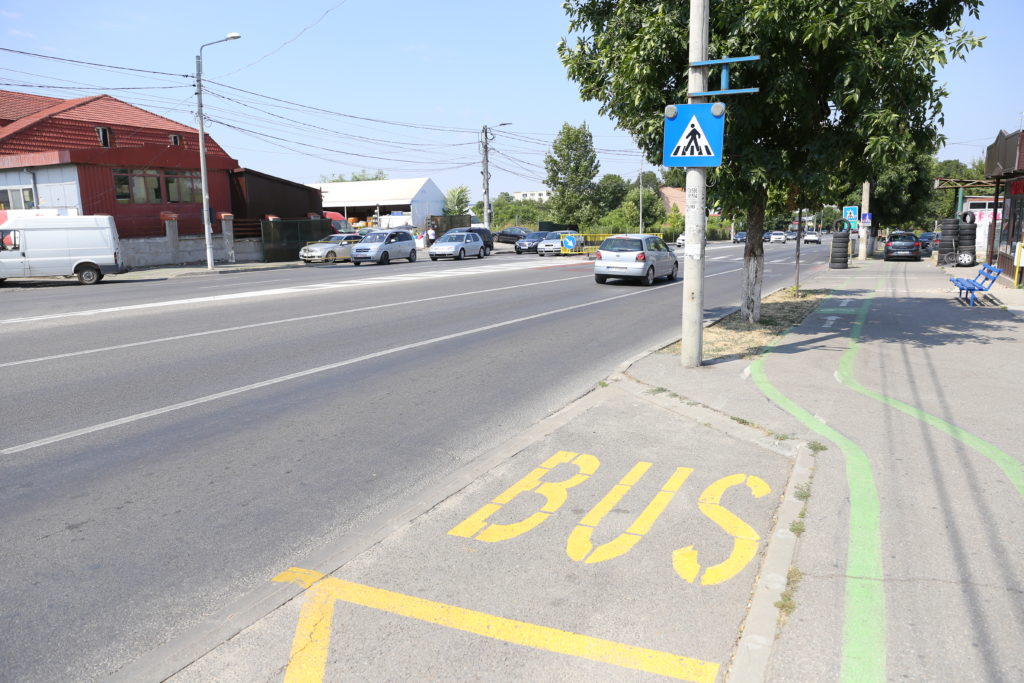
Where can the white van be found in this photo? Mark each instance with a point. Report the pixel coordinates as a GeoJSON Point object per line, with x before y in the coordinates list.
{"type": "Point", "coordinates": [84, 246]}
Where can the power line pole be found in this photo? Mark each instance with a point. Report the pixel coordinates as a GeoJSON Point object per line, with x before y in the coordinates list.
{"type": "Point", "coordinates": [485, 135]}
{"type": "Point", "coordinates": [696, 201]}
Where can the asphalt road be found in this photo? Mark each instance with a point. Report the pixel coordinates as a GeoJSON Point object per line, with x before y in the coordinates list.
{"type": "Point", "coordinates": [170, 444]}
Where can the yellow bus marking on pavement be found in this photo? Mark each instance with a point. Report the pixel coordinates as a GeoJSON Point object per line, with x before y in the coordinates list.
{"type": "Point", "coordinates": [745, 539]}
{"type": "Point", "coordinates": [579, 545]}
{"type": "Point", "coordinates": [312, 634]}
{"type": "Point", "coordinates": [554, 492]}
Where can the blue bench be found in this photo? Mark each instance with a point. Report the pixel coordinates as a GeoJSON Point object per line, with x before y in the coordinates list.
{"type": "Point", "coordinates": [982, 282]}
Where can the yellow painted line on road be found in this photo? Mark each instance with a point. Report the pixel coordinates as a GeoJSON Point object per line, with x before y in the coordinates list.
{"type": "Point", "coordinates": [312, 634]}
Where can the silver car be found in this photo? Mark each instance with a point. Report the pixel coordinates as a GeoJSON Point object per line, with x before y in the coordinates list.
{"type": "Point", "coordinates": [458, 245]}
{"type": "Point", "coordinates": [641, 257]}
{"type": "Point", "coordinates": [330, 249]}
{"type": "Point", "coordinates": [552, 244]}
{"type": "Point", "coordinates": [381, 246]}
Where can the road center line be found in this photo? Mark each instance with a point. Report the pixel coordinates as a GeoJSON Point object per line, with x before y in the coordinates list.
{"type": "Point", "coordinates": [315, 316]}
{"type": "Point", "coordinates": [309, 371]}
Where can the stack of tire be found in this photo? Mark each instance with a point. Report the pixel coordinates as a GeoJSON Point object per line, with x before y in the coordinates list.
{"type": "Point", "coordinates": [949, 236]}
{"type": "Point", "coordinates": [966, 242]}
{"type": "Point", "coordinates": [839, 257]}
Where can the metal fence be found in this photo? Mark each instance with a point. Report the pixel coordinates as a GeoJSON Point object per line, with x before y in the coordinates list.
{"type": "Point", "coordinates": [282, 239]}
{"type": "Point", "coordinates": [587, 243]}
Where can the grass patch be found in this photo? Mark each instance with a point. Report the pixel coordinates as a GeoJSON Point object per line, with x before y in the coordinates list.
{"type": "Point", "coordinates": [817, 447]}
{"type": "Point", "coordinates": [797, 527]}
{"type": "Point", "coordinates": [803, 491]}
{"type": "Point", "coordinates": [787, 602]}
{"type": "Point", "coordinates": [657, 390]}
{"type": "Point", "coordinates": [602, 383]}
{"type": "Point", "coordinates": [746, 423]}
{"type": "Point", "coordinates": [732, 337]}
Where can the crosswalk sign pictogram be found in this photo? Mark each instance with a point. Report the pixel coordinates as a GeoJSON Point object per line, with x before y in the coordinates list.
{"type": "Point", "coordinates": [693, 137]}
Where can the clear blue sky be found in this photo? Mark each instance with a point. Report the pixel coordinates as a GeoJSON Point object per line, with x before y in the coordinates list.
{"type": "Point", "coordinates": [451, 66]}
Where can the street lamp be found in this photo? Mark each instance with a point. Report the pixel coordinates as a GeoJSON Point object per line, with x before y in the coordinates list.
{"type": "Point", "coordinates": [487, 137]}
{"type": "Point", "coordinates": [207, 228]}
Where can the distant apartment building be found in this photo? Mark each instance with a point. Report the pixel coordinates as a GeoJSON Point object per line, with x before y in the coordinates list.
{"type": "Point", "coordinates": [536, 195]}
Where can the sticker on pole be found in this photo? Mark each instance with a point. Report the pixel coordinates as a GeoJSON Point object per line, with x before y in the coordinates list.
{"type": "Point", "coordinates": [694, 135]}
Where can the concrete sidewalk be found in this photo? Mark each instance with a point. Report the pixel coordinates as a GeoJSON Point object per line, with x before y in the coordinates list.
{"type": "Point", "coordinates": [912, 558]}
{"type": "Point", "coordinates": [649, 527]}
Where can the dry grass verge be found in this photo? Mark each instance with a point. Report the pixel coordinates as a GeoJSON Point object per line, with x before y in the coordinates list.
{"type": "Point", "coordinates": [732, 337]}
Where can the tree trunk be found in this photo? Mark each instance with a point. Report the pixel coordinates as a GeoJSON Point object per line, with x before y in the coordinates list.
{"type": "Point", "coordinates": [753, 258]}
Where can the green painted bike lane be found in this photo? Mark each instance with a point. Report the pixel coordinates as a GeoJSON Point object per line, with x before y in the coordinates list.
{"type": "Point", "coordinates": [864, 627]}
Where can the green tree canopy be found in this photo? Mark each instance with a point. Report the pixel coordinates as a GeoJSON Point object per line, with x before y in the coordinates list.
{"type": "Point", "coordinates": [571, 167]}
{"type": "Point", "coordinates": [456, 201]}
{"type": "Point", "coordinates": [611, 190]}
{"type": "Point", "coordinates": [846, 88]}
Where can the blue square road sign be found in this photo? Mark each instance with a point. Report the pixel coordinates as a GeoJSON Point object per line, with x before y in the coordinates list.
{"type": "Point", "coordinates": [694, 135]}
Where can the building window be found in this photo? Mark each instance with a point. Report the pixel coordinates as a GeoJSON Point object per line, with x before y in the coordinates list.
{"type": "Point", "coordinates": [183, 187]}
{"type": "Point", "coordinates": [104, 136]}
{"type": "Point", "coordinates": [17, 198]}
{"type": "Point", "coordinates": [175, 140]}
{"type": "Point", "coordinates": [155, 186]}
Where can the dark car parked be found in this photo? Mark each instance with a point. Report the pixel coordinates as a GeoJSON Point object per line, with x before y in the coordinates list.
{"type": "Point", "coordinates": [510, 235]}
{"type": "Point", "coordinates": [929, 240]}
{"type": "Point", "coordinates": [485, 235]}
{"type": "Point", "coordinates": [529, 243]}
{"type": "Point", "coordinates": [903, 245]}
{"type": "Point", "coordinates": [739, 237]}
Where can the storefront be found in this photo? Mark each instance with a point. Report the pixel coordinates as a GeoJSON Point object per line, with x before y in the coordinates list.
{"type": "Point", "coordinates": [1004, 162]}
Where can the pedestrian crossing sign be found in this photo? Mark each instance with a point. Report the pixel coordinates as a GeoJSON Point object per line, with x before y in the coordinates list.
{"type": "Point", "coordinates": [694, 135]}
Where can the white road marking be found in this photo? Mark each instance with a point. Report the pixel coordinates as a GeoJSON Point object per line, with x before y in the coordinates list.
{"type": "Point", "coordinates": [845, 302]}
{"type": "Point", "coordinates": [296, 289]}
{"type": "Point", "coordinates": [830, 321]}
{"type": "Point", "coordinates": [304, 373]}
{"type": "Point", "coordinates": [193, 335]}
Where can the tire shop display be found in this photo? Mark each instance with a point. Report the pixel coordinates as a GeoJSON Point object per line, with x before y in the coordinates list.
{"type": "Point", "coordinates": [949, 229]}
{"type": "Point", "coordinates": [966, 242]}
{"type": "Point", "coordinates": [839, 256]}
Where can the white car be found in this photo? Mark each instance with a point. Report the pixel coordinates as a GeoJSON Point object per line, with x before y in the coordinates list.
{"type": "Point", "coordinates": [812, 236]}
{"type": "Point", "coordinates": [641, 257]}
{"type": "Point", "coordinates": [778, 236]}
{"type": "Point", "coordinates": [381, 246]}
{"type": "Point", "coordinates": [457, 245]}
{"type": "Point", "coordinates": [330, 249]}
{"type": "Point", "coordinates": [681, 240]}
{"type": "Point", "coordinates": [552, 245]}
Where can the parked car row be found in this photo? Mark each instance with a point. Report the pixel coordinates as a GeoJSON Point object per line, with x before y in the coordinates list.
{"type": "Point", "coordinates": [378, 246]}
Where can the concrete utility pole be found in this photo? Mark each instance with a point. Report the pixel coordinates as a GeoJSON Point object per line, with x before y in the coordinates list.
{"type": "Point", "coordinates": [641, 181]}
{"type": "Point", "coordinates": [486, 136]}
{"type": "Point", "coordinates": [865, 199]}
{"type": "Point", "coordinates": [696, 202]}
{"type": "Point", "coordinates": [204, 181]}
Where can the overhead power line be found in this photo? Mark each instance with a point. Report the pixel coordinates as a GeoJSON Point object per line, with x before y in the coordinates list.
{"type": "Point", "coordinates": [105, 66]}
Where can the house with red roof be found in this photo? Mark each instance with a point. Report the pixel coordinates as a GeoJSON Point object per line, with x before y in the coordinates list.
{"type": "Point", "coordinates": [99, 155]}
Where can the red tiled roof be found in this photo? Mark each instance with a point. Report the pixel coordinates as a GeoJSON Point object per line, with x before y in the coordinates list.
{"type": "Point", "coordinates": [51, 111]}
{"type": "Point", "coordinates": [15, 105]}
{"type": "Point", "coordinates": [39, 123]}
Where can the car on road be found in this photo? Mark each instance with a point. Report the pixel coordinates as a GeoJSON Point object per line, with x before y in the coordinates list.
{"type": "Point", "coordinates": [812, 236]}
{"type": "Point", "coordinates": [791, 234]}
{"type": "Point", "coordinates": [640, 257]}
{"type": "Point", "coordinates": [330, 249]}
{"type": "Point", "coordinates": [457, 245]}
{"type": "Point", "coordinates": [739, 237]}
{"type": "Point", "coordinates": [485, 236]}
{"type": "Point", "coordinates": [902, 245]}
{"type": "Point", "coordinates": [552, 244]}
{"type": "Point", "coordinates": [777, 236]}
{"type": "Point", "coordinates": [529, 243]}
{"type": "Point", "coordinates": [383, 246]}
{"type": "Point", "coordinates": [929, 240]}
{"type": "Point", "coordinates": [681, 240]}
{"type": "Point", "coordinates": [510, 235]}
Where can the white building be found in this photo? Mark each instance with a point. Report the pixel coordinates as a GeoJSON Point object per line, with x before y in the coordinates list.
{"type": "Point", "coordinates": [362, 200]}
{"type": "Point", "coordinates": [536, 195]}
